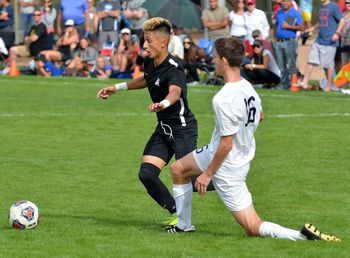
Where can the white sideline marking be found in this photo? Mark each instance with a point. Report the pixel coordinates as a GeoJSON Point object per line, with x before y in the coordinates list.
{"type": "Point", "coordinates": [150, 114]}
{"type": "Point", "coordinates": [276, 95]}
{"type": "Point", "coordinates": [307, 115]}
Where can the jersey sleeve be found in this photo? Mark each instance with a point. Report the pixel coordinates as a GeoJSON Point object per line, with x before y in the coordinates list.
{"type": "Point", "coordinates": [176, 77]}
{"type": "Point", "coordinates": [227, 117]}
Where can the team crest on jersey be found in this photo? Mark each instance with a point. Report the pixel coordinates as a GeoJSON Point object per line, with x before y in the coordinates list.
{"type": "Point", "coordinates": [157, 83]}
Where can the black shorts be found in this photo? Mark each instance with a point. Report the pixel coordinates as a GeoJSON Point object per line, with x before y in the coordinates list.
{"type": "Point", "coordinates": [168, 140]}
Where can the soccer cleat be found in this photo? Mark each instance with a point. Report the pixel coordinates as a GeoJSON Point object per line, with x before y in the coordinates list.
{"type": "Point", "coordinates": [175, 229]}
{"type": "Point", "coordinates": [171, 221]}
{"type": "Point", "coordinates": [313, 233]}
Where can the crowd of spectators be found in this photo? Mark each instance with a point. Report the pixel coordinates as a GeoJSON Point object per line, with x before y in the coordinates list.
{"type": "Point", "coordinates": [80, 38]}
{"type": "Point", "coordinates": [104, 38]}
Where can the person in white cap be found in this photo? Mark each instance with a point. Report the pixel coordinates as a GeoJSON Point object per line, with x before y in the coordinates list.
{"type": "Point", "coordinates": [66, 43]}
{"type": "Point", "coordinates": [123, 58]}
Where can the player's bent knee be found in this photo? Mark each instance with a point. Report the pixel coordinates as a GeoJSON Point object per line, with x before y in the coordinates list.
{"type": "Point", "coordinates": [176, 169]}
{"type": "Point", "coordinates": [249, 220]}
{"type": "Point", "coordinates": [148, 171]}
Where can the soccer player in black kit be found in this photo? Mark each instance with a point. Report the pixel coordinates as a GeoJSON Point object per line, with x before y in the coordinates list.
{"type": "Point", "coordinates": [176, 131]}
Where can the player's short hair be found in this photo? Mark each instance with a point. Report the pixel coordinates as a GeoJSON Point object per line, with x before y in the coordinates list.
{"type": "Point", "coordinates": [157, 24]}
{"type": "Point", "coordinates": [232, 49]}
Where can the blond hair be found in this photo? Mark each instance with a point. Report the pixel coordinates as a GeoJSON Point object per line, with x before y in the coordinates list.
{"type": "Point", "coordinates": [157, 24]}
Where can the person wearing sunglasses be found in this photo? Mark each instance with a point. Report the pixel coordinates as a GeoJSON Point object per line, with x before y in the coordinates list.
{"type": "Point", "coordinates": [193, 58]}
{"type": "Point", "coordinates": [35, 42]}
{"type": "Point", "coordinates": [263, 69]}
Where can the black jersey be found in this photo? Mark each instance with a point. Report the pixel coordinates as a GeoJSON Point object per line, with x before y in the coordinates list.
{"type": "Point", "coordinates": [159, 78]}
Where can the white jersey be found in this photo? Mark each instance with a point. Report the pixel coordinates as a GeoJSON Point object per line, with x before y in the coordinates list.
{"type": "Point", "coordinates": [237, 109]}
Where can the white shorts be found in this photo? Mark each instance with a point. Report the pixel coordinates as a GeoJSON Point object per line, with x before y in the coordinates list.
{"type": "Point", "coordinates": [229, 182]}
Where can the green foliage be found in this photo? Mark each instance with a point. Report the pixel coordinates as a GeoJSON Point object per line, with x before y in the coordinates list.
{"type": "Point", "coordinates": [77, 158]}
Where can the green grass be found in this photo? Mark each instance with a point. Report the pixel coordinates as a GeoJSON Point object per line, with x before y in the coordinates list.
{"type": "Point", "coordinates": [77, 158]}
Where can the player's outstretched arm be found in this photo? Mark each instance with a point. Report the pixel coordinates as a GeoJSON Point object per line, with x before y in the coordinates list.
{"type": "Point", "coordinates": [137, 83]}
{"type": "Point", "coordinates": [172, 97]}
{"type": "Point", "coordinates": [105, 92]}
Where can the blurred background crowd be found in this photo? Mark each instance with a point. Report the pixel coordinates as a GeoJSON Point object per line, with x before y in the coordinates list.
{"type": "Point", "coordinates": [103, 39]}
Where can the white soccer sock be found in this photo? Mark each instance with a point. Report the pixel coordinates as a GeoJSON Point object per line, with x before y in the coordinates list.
{"type": "Point", "coordinates": [277, 231]}
{"type": "Point", "coordinates": [183, 200]}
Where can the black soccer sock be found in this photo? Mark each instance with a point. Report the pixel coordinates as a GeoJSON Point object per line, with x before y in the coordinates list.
{"type": "Point", "coordinates": [210, 187]}
{"type": "Point", "coordinates": [149, 176]}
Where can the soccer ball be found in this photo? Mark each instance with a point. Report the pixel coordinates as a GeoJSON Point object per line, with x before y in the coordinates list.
{"type": "Point", "coordinates": [24, 215]}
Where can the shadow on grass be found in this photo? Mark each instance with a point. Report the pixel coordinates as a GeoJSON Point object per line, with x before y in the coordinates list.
{"type": "Point", "coordinates": [140, 224]}
{"type": "Point", "coordinates": [117, 221]}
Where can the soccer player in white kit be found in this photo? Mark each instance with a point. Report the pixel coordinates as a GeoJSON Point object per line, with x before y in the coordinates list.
{"type": "Point", "coordinates": [226, 159]}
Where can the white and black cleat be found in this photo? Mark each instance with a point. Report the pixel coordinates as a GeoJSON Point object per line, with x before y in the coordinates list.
{"type": "Point", "coordinates": [175, 229]}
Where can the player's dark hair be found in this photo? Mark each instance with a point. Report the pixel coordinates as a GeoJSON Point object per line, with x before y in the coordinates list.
{"type": "Point", "coordinates": [232, 49]}
{"type": "Point", "coordinates": [157, 24]}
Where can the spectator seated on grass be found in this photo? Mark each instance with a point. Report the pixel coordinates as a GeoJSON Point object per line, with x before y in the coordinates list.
{"type": "Point", "coordinates": [123, 58]}
{"type": "Point", "coordinates": [103, 69]}
{"type": "Point", "coordinates": [84, 58]}
{"type": "Point", "coordinates": [263, 69]}
{"type": "Point", "coordinates": [35, 42]}
{"type": "Point", "coordinates": [65, 44]}
{"type": "Point", "coordinates": [194, 57]}
{"type": "Point", "coordinates": [137, 61]}
{"type": "Point", "coordinates": [47, 68]}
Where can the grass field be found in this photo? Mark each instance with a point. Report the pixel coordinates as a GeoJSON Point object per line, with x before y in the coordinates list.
{"type": "Point", "coordinates": [77, 158]}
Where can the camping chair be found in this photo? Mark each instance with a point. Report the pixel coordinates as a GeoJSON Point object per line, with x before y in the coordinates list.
{"type": "Point", "coordinates": [108, 49]}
